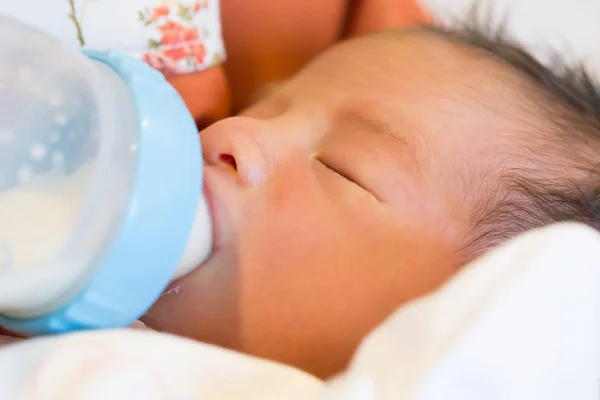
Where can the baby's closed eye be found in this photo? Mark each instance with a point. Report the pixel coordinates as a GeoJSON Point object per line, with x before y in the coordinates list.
{"type": "Point", "coordinates": [340, 171]}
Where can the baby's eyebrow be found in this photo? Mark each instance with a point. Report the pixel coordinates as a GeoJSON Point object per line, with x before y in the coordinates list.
{"type": "Point", "coordinates": [375, 124]}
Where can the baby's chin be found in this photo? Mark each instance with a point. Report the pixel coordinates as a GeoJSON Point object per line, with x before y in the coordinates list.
{"type": "Point", "coordinates": [151, 319]}
{"type": "Point", "coordinates": [169, 304]}
{"type": "Point", "coordinates": [203, 305]}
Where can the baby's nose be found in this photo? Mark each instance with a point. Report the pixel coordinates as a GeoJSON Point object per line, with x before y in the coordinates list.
{"type": "Point", "coordinates": [237, 144]}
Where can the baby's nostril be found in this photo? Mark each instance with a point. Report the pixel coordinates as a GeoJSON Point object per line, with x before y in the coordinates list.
{"type": "Point", "coordinates": [229, 159]}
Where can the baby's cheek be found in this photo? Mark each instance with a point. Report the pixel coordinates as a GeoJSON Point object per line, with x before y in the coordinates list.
{"type": "Point", "coordinates": [292, 221]}
{"type": "Point", "coordinates": [284, 234]}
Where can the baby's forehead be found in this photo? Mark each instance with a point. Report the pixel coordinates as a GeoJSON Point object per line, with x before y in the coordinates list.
{"type": "Point", "coordinates": [421, 74]}
{"type": "Point", "coordinates": [414, 66]}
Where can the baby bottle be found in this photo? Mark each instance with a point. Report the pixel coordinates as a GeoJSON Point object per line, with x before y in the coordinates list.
{"type": "Point", "coordinates": [101, 200]}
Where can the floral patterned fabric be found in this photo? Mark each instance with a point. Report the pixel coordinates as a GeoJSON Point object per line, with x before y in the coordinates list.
{"type": "Point", "coordinates": [173, 36]}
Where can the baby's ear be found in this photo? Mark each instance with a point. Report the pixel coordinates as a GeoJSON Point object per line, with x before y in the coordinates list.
{"type": "Point", "coordinates": [365, 16]}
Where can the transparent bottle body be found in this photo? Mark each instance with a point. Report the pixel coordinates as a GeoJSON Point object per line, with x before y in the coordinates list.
{"type": "Point", "coordinates": [68, 154]}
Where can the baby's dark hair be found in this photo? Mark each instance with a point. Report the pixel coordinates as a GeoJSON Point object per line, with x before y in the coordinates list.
{"type": "Point", "coordinates": [560, 180]}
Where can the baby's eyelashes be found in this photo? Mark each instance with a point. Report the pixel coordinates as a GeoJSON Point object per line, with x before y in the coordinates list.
{"type": "Point", "coordinates": [338, 171]}
{"type": "Point", "coordinates": [348, 177]}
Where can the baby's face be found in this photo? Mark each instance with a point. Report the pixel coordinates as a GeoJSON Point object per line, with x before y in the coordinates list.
{"type": "Point", "coordinates": [339, 195]}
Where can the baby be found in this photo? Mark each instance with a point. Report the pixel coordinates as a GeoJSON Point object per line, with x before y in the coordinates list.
{"type": "Point", "coordinates": [370, 178]}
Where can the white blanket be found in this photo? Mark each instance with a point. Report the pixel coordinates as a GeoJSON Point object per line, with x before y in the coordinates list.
{"type": "Point", "coordinates": [521, 323]}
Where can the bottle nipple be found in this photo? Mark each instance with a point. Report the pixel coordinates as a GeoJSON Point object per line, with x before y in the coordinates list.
{"type": "Point", "coordinates": [200, 242]}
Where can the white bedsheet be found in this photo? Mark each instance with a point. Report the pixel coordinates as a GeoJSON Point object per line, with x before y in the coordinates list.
{"type": "Point", "coordinates": [521, 323]}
